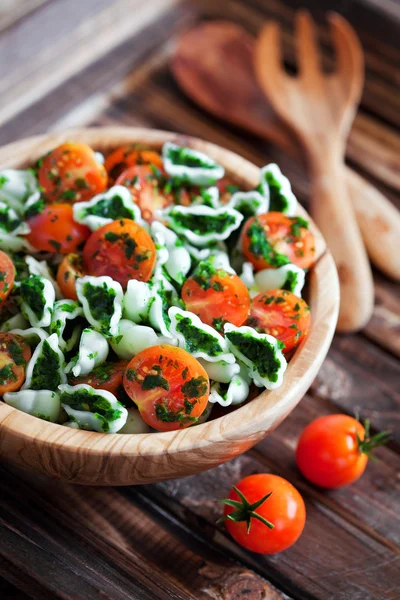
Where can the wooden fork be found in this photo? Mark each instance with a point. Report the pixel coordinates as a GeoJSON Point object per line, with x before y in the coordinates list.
{"type": "Point", "coordinates": [320, 109]}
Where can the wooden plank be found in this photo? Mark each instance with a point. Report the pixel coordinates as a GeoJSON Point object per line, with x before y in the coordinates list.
{"type": "Point", "coordinates": [379, 155]}
{"type": "Point", "coordinates": [346, 562]}
{"type": "Point", "coordinates": [78, 100]}
{"type": "Point", "coordinates": [149, 103]}
{"type": "Point", "coordinates": [9, 592]}
{"type": "Point", "coordinates": [81, 543]}
{"type": "Point", "coordinates": [13, 10]}
{"type": "Point", "coordinates": [357, 376]}
{"type": "Point", "coordinates": [384, 327]}
{"type": "Point", "coordinates": [77, 33]}
{"type": "Point", "coordinates": [370, 504]}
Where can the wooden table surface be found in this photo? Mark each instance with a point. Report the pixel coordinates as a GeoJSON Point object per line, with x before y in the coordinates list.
{"type": "Point", "coordinates": [67, 63]}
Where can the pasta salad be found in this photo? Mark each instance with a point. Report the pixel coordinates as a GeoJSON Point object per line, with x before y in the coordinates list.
{"type": "Point", "coordinates": [145, 291]}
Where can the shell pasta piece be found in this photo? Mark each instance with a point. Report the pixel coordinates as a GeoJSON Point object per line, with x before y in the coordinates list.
{"type": "Point", "coordinates": [101, 299]}
{"type": "Point", "coordinates": [95, 410]}
{"type": "Point", "coordinates": [201, 340]}
{"type": "Point", "coordinates": [261, 352]}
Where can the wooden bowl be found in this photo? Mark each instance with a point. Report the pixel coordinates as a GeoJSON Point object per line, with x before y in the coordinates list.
{"type": "Point", "coordinates": [99, 459]}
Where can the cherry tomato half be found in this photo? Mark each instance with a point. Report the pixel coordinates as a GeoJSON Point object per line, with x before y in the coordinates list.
{"type": "Point", "coordinates": [108, 376]}
{"type": "Point", "coordinates": [216, 296]}
{"type": "Point", "coordinates": [226, 187]}
{"type": "Point", "coordinates": [54, 230]}
{"type": "Point", "coordinates": [7, 276]}
{"type": "Point", "coordinates": [129, 156]}
{"type": "Point", "coordinates": [169, 387]}
{"type": "Point", "coordinates": [71, 173]}
{"type": "Point", "coordinates": [281, 314]}
{"type": "Point", "coordinates": [273, 239]}
{"type": "Point", "coordinates": [14, 354]}
{"type": "Point", "coordinates": [144, 187]}
{"type": "Point", "coordinates": [333, 451]}
{"type": "Point", "coordinates": [69, 270]}
{"type": "Point", "coordinates": [269, 515]}
{"type": "Point", "coordinates": [121, 249]}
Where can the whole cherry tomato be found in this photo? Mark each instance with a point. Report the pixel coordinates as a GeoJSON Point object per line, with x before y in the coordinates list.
{"type": "Point", "coordinates": [264, 513]}
{"type": "Point", "coordinates": [281, 314]}
{"type": "Point", "coordinates": [7, 276]}
{"type": "Point", "coordinates": [54, 230]}
{"type": "Point", "coordinates": [169, 387]}
{"type": "Point", "coordinates": [333, 451]}
{"type": "Point", "coordinates": [121, 249]}
{"type": "Point", "coordinates": [216, 296]}
{"type": "Point", "coordinates": [226, 187]}
{"type": "Point", "coordinates": [273, 239]}
{"type": "Point", "coordinates": [71, 173]}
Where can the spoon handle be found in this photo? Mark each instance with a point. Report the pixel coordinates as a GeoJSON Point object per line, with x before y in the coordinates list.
{"type": "Point", "coordinates": [379, 223]}
{"type": "Point", "coordinates": [335, 216]}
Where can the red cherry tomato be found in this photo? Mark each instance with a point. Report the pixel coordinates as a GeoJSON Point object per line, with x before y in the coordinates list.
{"type": "Point", "coordinates": [144, 187]}
{"type": "Point", "coordinates": [54, 230]}
{"type": "Point", "coordinates": [169, 387]}
{"type": "Point", "coordinates": [108, 376]}
{"type": "Point", "coordinates": [216, 296]}
{"type": "Point", "coordinates": [226, 188]}
{"type": "Point", "coordinates": [267, 514]}
{"type": "Point", "coordinates": [281, 314]}
{"type": "Point", "coordinates": [7, 276]}
{"type": "Point", "coordinates": [69, 270]}
{"type": "Point", "coordinates": [71, 173]}
{"type": "Point", "coordinates": [123, 158]}
{"type": "Point", "coordinates": [14, 354]}
{"type": "Point", "coordinates": [333, 451]}
{"type": "Point", "coordinates": [121, 249]}
{"type": "Point", "coordinates": [273, 239]}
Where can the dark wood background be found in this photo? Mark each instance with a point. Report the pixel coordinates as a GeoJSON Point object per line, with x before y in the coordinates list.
{"type": "Point", "coordinates": [66, 63]}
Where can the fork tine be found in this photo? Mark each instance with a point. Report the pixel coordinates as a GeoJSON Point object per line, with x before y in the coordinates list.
{"type": "Point", "coordinates": [349, 53]}
{"type": "Point", "coordinates": [268, 58]}
{"type": "Point", "coordinates": [307, 45]}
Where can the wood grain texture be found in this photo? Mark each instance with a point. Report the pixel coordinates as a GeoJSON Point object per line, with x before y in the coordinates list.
{"type": "Point", "coordinates": [213, 64]}
{"type": "Point", "coordinates": [83, 31]}
{"type": "Point", "coordinates": [85, 457]}
{"type": "Point", "coordinates": [320, 110]}
{"type": "Point", "coordinates": [98, 542]}
{"type": "Point", "coordinates": [381, 74]}
{"type": "Point", "coordinates": [55, 543]}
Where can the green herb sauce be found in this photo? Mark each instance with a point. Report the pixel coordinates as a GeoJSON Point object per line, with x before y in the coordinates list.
{"type": "Point", "coordinates": [7, 374]}
{"type": "Point", "coordinates": [196, 339]}
{"type": "Point", "coordinates": [46, 372]}
{"type": "Point", "coordinates": [101, 303]}
{"type": "Point", "coordinates": [290, 281]}
{"type": "Point", "coordinates": [195, 387]}
{"type": "Point", "coordinates": [260, 247]}
{"type": "Point", "coordinates": [184, 157]}
{"type": "Point", "coordinates": [88, 401]}
{"type": "Point", "coordinates": [259, 351]}
{"type": "Point", "coordinates": [32, 294]}
{"type": "Point", "coordinates": [277, 201]}
{"type": "Point", "coordinates": [203, 224]}
{"type": "Point", "coordinates": [110, 208]}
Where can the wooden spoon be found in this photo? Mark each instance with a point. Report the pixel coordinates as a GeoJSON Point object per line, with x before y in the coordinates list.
{"type": "Point", "coordinates": [320, 109]}
{"type": "Point", "coordinates": [213, 64]}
